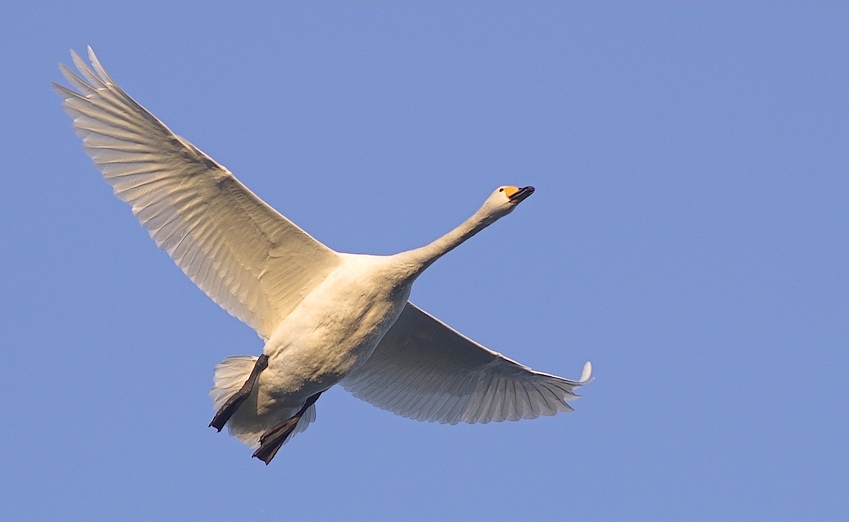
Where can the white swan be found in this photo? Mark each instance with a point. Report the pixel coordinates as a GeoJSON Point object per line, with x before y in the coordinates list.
{"type": "Point", "coordinates": [326, 317]}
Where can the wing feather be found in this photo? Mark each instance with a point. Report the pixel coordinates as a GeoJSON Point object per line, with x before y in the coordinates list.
{"type": "Point", "coordinates": [424, 370]}
{"type": "Point", "coordinates": [248, 258]}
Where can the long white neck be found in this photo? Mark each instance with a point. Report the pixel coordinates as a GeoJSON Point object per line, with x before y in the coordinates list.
{"type": "Point", "coordinates": [417, 260]}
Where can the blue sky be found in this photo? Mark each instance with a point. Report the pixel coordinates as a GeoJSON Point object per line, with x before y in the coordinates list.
{"type": "Point", "coordinates": [688, 236]}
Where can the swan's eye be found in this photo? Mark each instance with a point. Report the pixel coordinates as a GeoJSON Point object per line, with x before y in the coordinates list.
{"type": "Point", "coordinates": [501, 189]}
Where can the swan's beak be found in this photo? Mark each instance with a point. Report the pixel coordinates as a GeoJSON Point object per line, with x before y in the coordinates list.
{"type": "Point", "coordinates": [521, 194]}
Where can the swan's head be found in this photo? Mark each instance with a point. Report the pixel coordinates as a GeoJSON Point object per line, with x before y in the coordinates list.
{"type": "Point", "coordinates": [504, 200]}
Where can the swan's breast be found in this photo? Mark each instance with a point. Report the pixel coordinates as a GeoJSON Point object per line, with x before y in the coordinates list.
{"type": "Point", "coordinates": [336, 327]}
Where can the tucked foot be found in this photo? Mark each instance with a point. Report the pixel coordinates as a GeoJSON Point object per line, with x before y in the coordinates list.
{"type": "Point", "coordinates": [239, 397]}
{"type": "Point", "coordinates": [272, 439]}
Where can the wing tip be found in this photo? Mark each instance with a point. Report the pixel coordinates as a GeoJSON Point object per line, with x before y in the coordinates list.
{"type": "Point", "coordinates": [586, 373]}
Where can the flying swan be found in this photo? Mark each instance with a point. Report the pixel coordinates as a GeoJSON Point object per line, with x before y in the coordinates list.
{"type": "Point", "coordinates": [326, 317]}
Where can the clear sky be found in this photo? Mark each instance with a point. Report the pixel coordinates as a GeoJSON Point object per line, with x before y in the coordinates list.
{"type": "Point", "coordinates": [688, 236]}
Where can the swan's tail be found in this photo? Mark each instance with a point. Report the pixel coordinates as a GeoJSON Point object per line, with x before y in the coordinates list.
{"type": "Point", "coordinates": [230, 375]}
{"type": "Point", "coordinates": [250, 421]}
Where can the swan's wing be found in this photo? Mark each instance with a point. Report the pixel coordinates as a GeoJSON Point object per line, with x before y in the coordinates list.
{"type": "Point", "coordinates": [252, 261]}
{"type": "Point", "coordinates": [424, 370]}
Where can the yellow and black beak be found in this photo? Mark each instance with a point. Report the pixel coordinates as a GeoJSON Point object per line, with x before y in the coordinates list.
{"type": "Point", "coordinates": [517, 195]}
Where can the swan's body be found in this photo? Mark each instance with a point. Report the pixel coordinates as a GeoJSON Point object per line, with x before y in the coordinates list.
{"type": "Point", "coordinates": [325, 317]}
{"type": "Point", "coordinates": [332, 332]}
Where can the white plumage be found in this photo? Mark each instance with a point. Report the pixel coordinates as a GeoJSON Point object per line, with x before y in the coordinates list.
{"type": "Point", "coordinates": [325, 317]}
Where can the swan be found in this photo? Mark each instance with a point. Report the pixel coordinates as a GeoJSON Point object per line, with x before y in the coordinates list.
{"type": "Point", "coordinates": [325, 317]}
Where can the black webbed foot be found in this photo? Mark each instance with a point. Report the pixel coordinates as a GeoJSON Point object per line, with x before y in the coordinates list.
{"type": "Point", "coordinates": [273, 439]}
{"type": "Point", "coordinates": [239, 397]}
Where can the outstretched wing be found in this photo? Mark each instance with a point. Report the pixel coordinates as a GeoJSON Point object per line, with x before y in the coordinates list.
{"type": "Point", "coordinates": [252, 261]}
{"type": "Point", "coordinates": [424, 370]}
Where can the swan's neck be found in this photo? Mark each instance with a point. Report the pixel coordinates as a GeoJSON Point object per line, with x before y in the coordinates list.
{"type": "Point", "coordinates": [417, 260]}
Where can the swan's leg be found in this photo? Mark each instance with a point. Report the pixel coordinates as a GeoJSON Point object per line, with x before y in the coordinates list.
{"type": "Point", "coordinates": [239, 397]}
{"type": "Point", "coordinates": [272, 439]}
